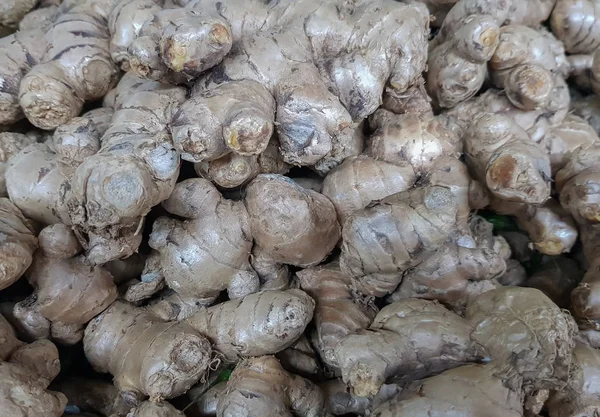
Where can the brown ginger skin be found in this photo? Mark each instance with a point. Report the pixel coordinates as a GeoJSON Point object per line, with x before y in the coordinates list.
{"type": "Point", "coordinates": [300, 359]}
{"type": "Point", "coordinates": [286, 220]}
{"type": "Point", "coordinates": [74, 68]}
{"type": "Point", "coordinates": [581, 396]}
{"type": "Point", "coordinates": [175, 355]}
{"type": "Point", "coordinates": [258, 324]}
{"type": "Point", "coordinates": [470, 390]}
{"type": "Point", "coordinates": [339, 309]}
{"type": "Point", "coordinates": [503, 156]}
{"type": "Point", "coordinates": [408, 340]}
{"type": "Point", "coordinates": [199, 263]}
{"type": "Point", "coordinates": [381, 242]}
{"type": "Point", "coordinates": [259, 387]}
{"type": "Point", "coordinates": [68, 291]}
{"type": "Point", "coordinates": [17, 243]}
{"type": "Point", "coordinates": [524, 329]}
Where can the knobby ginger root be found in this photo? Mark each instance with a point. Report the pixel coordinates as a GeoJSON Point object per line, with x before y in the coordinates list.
{"type": "Point", "coordinates": [68, 291]}
{"type": "Point", "coordinates": [503, 156]}
{"type": "Point", "coordinates": [17, 243]}
{"type": "Point", "coordinates": [76, 66]}
{"type": "Point", "coordinates": [175, 355]}
{"type": "Point", "coordinates": [339, 309]}
{"type": "Point", "coordinates": [408, 340]}
{"type": "Point", "coordinates": [199, 263]}
{"type": "Point", "coordinates": [470, 390]}
{"type": "Point", "coordinates": [286, 220]}
{"type": "Point", "coordinates": [26, 371]}
{"type": "Point", "coordinates": [581, 396]}
{"type": "Point", "coordinates": [381, 242]}
{"type": "Point", "coordinates": [458, 55]}
{"type": "Point", "coordinates": [259, 387]}
{"type": "Point", "coordinates": [524, 329]}
{"type": "Point", "coordinates": [10, 145]}
{"type": "Point", "coordinates": [258, 324]}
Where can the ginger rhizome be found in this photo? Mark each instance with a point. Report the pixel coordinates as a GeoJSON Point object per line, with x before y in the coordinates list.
{"type": "Point", "coordinates": [408, 340]}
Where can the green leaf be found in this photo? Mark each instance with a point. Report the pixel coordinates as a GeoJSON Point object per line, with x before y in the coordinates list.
{"type": "Point", "coordinates": [224, 376]}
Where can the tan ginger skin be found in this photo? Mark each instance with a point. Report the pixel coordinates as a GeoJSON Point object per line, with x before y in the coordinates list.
{"type": "Point", "coordinates": [28, 369]}
{"type": "Point", "coordinates": [10, 145]}
{"type": "Point", "coordinates": [74, 68]}
{"type": "Point", "coordinates": [259, 387]}
{"type": "Point", "coordinates": [408, 340]}
{"type": "Point", "coordinates": [68, 291]}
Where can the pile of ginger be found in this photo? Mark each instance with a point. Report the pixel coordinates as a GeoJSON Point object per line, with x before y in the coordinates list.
{"type": "Point", "coordinates": [384, 208]}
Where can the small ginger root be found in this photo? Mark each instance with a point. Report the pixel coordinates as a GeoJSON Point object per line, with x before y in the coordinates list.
{"type": "Point", "coordinates": [17, 243]}
{"type": "Point", "coordinates": [175, 355]}
{"type": "Point", "coordinates": [470, 390]}
{"type": "Point", "coordinates": [195, 262]}
{"type": "Point", "coordinates": [524, 329]}
{"type": "Point", "coordinates": [581, 396]}
{"type": "Point", "coordinates": [339, 309]}
{"type": "Point", "coordinates": [25, 373]}
{"type": "Point", "coordinates": [10, 145]}
{"type": "Point", "coordinates": [408, 340]}
{"type": "Point", "coordinates": [258, 324]}
{"type": "Point", "coordinates": [69, 291]}
{"type": "Point", "coordinates": [259, 387]}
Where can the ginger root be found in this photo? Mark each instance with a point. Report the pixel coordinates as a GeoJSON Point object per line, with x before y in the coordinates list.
{"type": "Point", "coordinates": [408, 340]}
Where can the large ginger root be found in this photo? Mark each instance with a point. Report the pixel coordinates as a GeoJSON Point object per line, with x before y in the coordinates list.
{"type": "Point", "coordinates": [174, 356]}
{"type": "Point", "coordinates": [549, 226]}
{"type": "Point", "coordinates": [470, 390]}
{"type": "Point", "coordinates": [286, 220]}
{"type": "Point", "coordinates": [68, 291]}
{"type": "Point", "coordinates": [10, 145]}
{"type": "Point", "coordinates": [259, 387]}
{"type": "Point", "coordinates": [17, 243]}
{"type": "Point", "coordinates": [76, 66]}
{"type": "Point", "coordinates": [575, 23]}
{"type": "Point", "coordinates": [318, 89]}
{"type": "Point", "coordinates": [135, 169]}
{"type": "Point", "coordinates": [339, 310]}
{"type": "Point", "coordinates": [581, 396]}
{"type": "Point", "coordinates": [258, 324]}
{"type": "Point", "coordinates": [199, 263]}
{"type": "Point", "coordinates": [381, 242]}
{"type": "Point", "coordinates": [503, 156]}
{"type": "Point", "coordinates": [458, 55]}
{"type": "Point", "coordinates": [19, 53]}
{"type": "Point", "coordinates": [523, 65]}
{"type": "Point", "coordinates": [524, 329]}
{"type": "Point", "coordinates": [408, 340]}
{"type": "Point", "coordinates": [25, 373]}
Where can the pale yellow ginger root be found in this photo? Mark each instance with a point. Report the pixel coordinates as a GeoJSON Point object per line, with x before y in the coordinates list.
{"type": "Point", "coordinates": [26, 371]}
{"type": "Point", "coordinates": [550, 227]}
{"type": "Point", "coordinates": [575, 23]}
{"type": "Point", "coordinates": [581, 396]}
{"type": "Point", "coordinates": [523, 65]}
{"type": "Point", "coordinates": [286, 221]}
{"type": "Point", "coordinates": [524, 330]}
{"type": "Point", "coordinates": [199, 263]}
{"type": "Point", "coordinates": [175, 355]}
{"type": "Point", "coordinates": [470, 390]}
{"type": "Point", "coordinates": [408, 340]}
{"type": "Point", "coordinates": [259, 324]}
{"type": "Point", "coordinates": [135, 169]}
{"type": "Point", "coordinates": [259, 387]}
{"type": "Point", "coordinates": [76, 66]}
{"type": "Point", "coordinates": [381, 242]}
{"type": "Point", "coordinates": [17, 243]}
{"type": "Point", "coordinates": [10, 145]}
{"type": "Point", "coordinates": [503, 156]}
{"type": "Point", "coordinates": [459, 53]}
{"type": "Point", "coordinates": [339, 309]}
{"type": "Point", "coordinates": [19, 53]}
{"type": "Point", "coordinates": [577, 183]}
{"type": "Point", "coordinates": [68, 291]}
